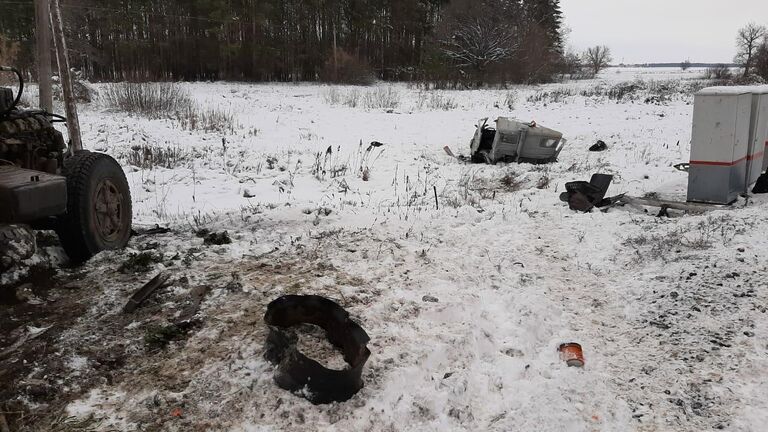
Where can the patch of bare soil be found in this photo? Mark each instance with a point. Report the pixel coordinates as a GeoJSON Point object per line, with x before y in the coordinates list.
{"type": "Point", "coordinates": [178, 362]}
{"type": "Point", "coordinates": [34, 314]}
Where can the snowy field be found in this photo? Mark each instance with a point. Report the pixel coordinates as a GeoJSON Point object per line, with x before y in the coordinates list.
{"type": "Point", "coordinates": [671, 312]}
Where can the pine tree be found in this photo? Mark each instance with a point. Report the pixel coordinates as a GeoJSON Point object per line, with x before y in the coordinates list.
{"type": "Point", "coordinates": [548, 17]}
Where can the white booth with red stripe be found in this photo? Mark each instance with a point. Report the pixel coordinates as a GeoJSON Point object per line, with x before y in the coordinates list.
{"type": "Point", "coordinates": [728, 142]}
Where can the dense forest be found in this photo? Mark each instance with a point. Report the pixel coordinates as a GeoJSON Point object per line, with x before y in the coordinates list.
{"type": "Point", "coordinates": [463, 41]}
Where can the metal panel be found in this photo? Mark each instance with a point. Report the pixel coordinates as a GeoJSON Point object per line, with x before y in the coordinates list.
{"type": "Point", "coordinates": [719, 145]}
{"type": "Point", "coordinates": [758, 133]}
{"type": "Point", "coordinates": [760, 127]}
{"type": "Point", "coordinates": [27, 196]}
{"type": "Point", "coordinates": [524, 142]}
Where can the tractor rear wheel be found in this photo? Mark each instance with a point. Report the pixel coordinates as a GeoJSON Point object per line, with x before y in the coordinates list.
{"type": "Point", "coordinates": [98, 206]}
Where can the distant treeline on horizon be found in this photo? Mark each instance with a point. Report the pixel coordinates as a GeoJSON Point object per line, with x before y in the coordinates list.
{"type": "Point", "coordinates": [676, 65]}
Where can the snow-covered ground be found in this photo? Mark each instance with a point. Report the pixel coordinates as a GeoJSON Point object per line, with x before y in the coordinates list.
{"type": "Point", "coordinates": [670, 311]}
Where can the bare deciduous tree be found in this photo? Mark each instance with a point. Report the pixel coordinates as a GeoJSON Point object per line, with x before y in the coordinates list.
{"type": "Point", "coordinates": [597, 58]}
{"type": "Point", "coordinates": [685, 65]}
{"type": "Point", "coordinates": [747, 42]}
{"type": "Point", "coordinates": [479, 42]}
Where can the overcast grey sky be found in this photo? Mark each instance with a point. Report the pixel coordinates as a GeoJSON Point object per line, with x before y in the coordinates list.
{"type": "Point", "coordinates": [645, 31]}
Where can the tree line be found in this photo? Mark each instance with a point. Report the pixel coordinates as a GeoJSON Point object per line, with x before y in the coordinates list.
{"type": "Point", "coordinates": [466, 42]}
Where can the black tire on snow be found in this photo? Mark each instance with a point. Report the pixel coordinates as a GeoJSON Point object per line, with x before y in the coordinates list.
{"type": "Point", "coordinates": [98, 206]}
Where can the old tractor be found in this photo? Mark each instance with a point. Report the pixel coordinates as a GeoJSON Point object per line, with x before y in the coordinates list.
{"type": "Point", "coordinates": [46, 184]}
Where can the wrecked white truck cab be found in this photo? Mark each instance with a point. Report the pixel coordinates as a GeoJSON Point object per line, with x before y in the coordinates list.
{"type": "Point", "coordinates": [514, 141]}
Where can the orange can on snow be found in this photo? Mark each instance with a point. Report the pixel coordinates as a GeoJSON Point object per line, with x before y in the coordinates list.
{"type": "Point", "coordinates": [571, 354]}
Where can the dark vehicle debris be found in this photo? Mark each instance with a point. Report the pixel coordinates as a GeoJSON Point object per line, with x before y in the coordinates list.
{"type": "Point", "coordinates": [572, 354]}
{"type": "Point", "coordinates": [157, 229]}
{"type": "Point", "coordinates": [298, 373]}
{"type": "Point", "coordinates": [761, 186]}
{"type": "Point", "coordinates": [515, 141]}
{"type": "Point", "coordinates": [599, 146]}
{"type": "Point", "coordinates": [584, 196]}
{"type": "Point", "coordinates": [221, 238]}
{"type": "Point", "coordinates": [49, 184]}
{"type": "Point", "coordinates": [142, 294]}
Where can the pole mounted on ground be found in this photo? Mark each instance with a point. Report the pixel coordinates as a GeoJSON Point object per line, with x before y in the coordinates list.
{"type": "Point", "coordinates": [43, 33]}
{"type": "Point", "coordinates": [65, 76]}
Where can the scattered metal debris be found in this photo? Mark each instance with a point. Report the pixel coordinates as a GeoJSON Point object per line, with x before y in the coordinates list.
{"type": "Point", "coordinates": [514, 141]}
{"type": "Point", "coordinates": [260, 256]}
{"type": "Point", "coordinates": [142, 294]}
{"type": "Point", "coordinates": [220, 238]}
{"type": "Point", "coordinates": [599, 146]}
{"type": "Point", "coordinates": [584, 196]}
{"type": "Point", "coordinates": [157, 229]}
{"type": "Point", "coordinates": [297, 372]}
{"type": "Point", "coordinates": [571, 354]}
{"type": "Point", "coordinates": [668, 204]}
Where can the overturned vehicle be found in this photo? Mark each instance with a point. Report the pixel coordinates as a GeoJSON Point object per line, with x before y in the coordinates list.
{"type": "Point", "coordinates": [515, 141]}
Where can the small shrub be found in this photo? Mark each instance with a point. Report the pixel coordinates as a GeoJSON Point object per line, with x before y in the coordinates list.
{"type": "Point", "coordinates": [511, 182]}
{"type": "Point", "coordinates": [438, 101]}
{"type": "Point", "coordinates": [718, 72]}
{"type": "Point", "coordinates": [352, 99]}
{"type": "Point", "coordinates": [150, 100]}
{"type": "Point", "coordinates": [435, 101]}
{"type": "Point", "coordinates": [208, 120]}
{"type": "Point", "coordinates": [554, 96]}
{"type": "Point", "coordinates": [332, 96]}
{"type": "Point", "coordinates": [169, 101]}
{"type": "Point", "coordinates": [152, 156]}
{"type": "Point", "coordinates": [381, 98]}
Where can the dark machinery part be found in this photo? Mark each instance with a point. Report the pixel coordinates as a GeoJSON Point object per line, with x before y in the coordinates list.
{"type": "Point", "coordinates": [29, 196]}
{"type": "Point", "coordinates": [7, 102]}
{"type": "Point", "coordinates": [27, 137]}
{"type": "Point", "coordinates": [584, 196]}
{"type": "Point", "coordinates": [297, 372]}
{"type": "Point", "coordinates": [84, 196]}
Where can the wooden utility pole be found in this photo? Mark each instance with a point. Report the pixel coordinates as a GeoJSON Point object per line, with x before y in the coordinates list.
{"type": "Point", "coordinates": [65, 76]}
{"type": "Point", "coordinates": [43, 32]}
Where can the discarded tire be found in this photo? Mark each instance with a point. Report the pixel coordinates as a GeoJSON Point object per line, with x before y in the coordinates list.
{"type": "Point", "coordinates": [98, 206]}
{"type": "Point", "coordinates": [297, 372]}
